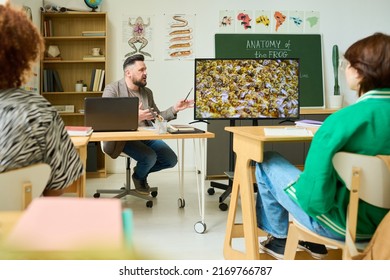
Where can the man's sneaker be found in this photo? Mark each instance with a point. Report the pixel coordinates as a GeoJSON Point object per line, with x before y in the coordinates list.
{"type": "Point", "coordinates": [140, 186]}
{"type": "Point", "coordinates": [317, 251]}
{"type": "Point", "coordinates": [274, 246]}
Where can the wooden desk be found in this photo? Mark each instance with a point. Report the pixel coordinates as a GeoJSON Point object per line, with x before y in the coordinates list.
{"type": "Point", "coordinates": [248, 144]}
{"type": "Point", "coordinates": [150, 134]}
{"type": "Point", "coordinates": [78, 187]}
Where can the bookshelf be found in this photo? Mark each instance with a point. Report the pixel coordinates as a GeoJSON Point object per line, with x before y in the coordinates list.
{"type": "Point", "coordinates": [75, 34]}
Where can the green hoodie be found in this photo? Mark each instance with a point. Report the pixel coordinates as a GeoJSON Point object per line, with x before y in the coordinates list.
{"type": "Point", "coordinates": [362, 128]}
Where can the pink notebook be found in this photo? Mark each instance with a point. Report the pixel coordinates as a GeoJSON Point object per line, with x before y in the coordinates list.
{"type": "Point", "coordinates": [69, 223]}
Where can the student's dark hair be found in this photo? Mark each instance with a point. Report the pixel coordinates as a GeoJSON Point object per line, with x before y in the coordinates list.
{"type": "Point", "coordinates": [132, 59]}
{"type": "Point", "coordinates": [370, 56]}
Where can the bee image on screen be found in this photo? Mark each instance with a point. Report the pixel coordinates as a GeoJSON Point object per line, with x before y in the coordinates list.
{"type": "Point", "coordinates": [255, 88]}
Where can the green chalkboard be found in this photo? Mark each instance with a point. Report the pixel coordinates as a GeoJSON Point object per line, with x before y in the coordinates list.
{"type": "Point", "coordinates": [306, 47]}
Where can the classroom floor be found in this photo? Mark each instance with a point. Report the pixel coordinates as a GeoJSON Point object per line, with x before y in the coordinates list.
{"type": "Point", "coordinates": [166, 231]}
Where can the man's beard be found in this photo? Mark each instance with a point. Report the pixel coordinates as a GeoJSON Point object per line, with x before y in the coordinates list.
{"type": "Point", "coordinates": [140, 83]}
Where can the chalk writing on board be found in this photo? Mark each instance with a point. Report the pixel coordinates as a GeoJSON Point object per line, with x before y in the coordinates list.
{"type": "Point", "coordinates": [269, 48]}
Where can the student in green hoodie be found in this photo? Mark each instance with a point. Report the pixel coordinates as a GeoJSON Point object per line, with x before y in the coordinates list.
{"type": "Point", "coordinates": [316, 197]}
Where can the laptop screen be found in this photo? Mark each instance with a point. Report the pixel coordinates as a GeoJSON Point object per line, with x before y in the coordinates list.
{"type": "Point", "coordinates": [111, 113]}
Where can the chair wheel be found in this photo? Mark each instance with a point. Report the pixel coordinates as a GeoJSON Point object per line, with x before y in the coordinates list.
{"type": "Point", "coordinates": [211, 191]}
{"type": "Point", "coordinates": [96, 195]}
{"type": "Point", "coordinates": [223, 206]}
{"type": "Point", "coordinates": [181, 202]}
{"type": "Point", "coordinates": [200, 227]}
{"type": "Point", "coordinates": [154, 193]}
{"type": "Point", "coordinates": [149, 204]}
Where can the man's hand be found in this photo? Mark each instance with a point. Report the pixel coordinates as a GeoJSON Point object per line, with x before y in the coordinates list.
{"type": "Point", "coordinates": [183, 104]}
{"type": "Point", "coordinates": [145, 115]}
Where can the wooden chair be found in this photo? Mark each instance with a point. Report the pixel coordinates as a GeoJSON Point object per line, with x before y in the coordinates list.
{"type": "Point", "coordinates": [126, 189]}
{"type": "Point", "coordinates": [20, 186]}
{"type": "Point", "coordinates": [368, 179]}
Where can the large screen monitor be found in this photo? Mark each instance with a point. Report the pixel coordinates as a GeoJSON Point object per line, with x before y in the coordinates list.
{"type": "Point", "coordinates": [246, 89]}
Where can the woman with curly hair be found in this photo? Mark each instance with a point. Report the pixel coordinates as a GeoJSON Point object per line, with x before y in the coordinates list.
{"type": "Point", "coordinates": [31, 130]}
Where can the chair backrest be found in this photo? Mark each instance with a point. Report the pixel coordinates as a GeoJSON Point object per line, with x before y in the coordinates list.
{"type": "Point", "coordinates": [375, 176]}
{"type": "Point", "coordinates": [19, 186]}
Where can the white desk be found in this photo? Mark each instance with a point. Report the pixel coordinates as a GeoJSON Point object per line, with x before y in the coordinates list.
{"type": "Point", "coordinates": [200, 163]}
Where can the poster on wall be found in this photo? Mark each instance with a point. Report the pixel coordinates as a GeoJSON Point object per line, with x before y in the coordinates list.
{"type": "Point", "coordinates": [244, 22]}
{"type": "Point", "coordinates": [279, 23]}
{"type": "Point", "coordinates": [296, 21]}
{"type": "Point", "coordinates": [312, 24]}
{"type": "Point", "coordinates": [262, 21]}
{"type": "Point", "coordinates": [137, 36]}
{"type": "Point", "coordinates": [180, 36]}
{"type": "Point", "coordinates": [226, 22]}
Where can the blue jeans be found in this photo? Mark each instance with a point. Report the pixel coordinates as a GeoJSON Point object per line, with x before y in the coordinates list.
{"type": "Point", "coordinates": [151, 156]}
{"type": "Point", "coordinates": [273, 205]}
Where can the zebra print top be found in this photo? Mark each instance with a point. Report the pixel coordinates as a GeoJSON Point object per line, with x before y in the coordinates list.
{"type": "Point", "coordinates": [31, 131]}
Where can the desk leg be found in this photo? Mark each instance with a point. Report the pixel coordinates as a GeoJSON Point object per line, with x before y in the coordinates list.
{"type": "Point", "coordinates": [200, 165]}
{"type": "Point", "coordinates": [180, 166]}
{"type": "Point", "coordinates": [246, 150]}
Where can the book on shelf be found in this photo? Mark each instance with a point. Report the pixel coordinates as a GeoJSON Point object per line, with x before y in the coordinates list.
{"type": "Point", "coordinates": [92, 79]}
{"type": "Point", "coordinates": [182, 128]}
{"type": "Point", "coordinates": [79, 130]}
{"type": "Point", "coordinates": [94, 57]}
{"type": "Point", "coordinates": [101, 80]}
{"type": "Point", "coordinates": [57, 81]}
{"type": "Point", "coordinates": [97, 79]}
{"type": "Point", "coordinates": [308, 123]}
{"type": "Point", "coordinates": [93, 33]}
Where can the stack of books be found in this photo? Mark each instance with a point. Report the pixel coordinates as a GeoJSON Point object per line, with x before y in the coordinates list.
{"type": "Point", "coordinates": [51, 81]}
{"type": "Point", "coordinates": [93, 33]}
{"type": "Point", "coordinates": [79, 130]}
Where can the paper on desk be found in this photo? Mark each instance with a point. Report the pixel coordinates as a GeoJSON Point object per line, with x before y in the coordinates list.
{"type": "Point", "coordinates": [287, 131]}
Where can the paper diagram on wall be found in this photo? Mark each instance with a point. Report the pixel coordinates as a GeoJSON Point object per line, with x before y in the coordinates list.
{"type": "Point", "coordinates": [312, 22]}
{"type": "Point", "coordinates": [280, 25]}
{"type": "Point", "coordinates": [180, 36]}
{"type": "Point", "coordinates": [137, 36]}
{"type": "Point", "coordinates": [296, 21]}
{"type": "Point", "coordinates": [263, 21]}
{"type": "Point", "coordinates": [244, 22]}
{"type": "Point", "coordinates": [226, 22]}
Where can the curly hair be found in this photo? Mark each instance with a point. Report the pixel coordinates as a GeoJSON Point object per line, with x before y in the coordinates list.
{"type": "Point", "coordinates": [370, 56]}
{"type": "Point", "coordinates": [21, 45]}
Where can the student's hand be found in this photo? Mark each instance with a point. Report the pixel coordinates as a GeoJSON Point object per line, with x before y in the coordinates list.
{"type": "Point", "coordinates": [144, 115]}
{"type": "Point", "coordinates": [183, 104]}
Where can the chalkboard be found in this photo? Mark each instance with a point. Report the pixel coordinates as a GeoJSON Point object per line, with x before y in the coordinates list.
{"type": "Point", "coordinates": [306, 47]}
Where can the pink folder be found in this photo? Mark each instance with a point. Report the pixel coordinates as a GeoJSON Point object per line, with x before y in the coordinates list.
{"type": "Point", "coordinates": [69, 223]}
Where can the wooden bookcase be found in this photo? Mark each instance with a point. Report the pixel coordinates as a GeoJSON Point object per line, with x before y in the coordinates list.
{"type": "Point", "coordinates": [67, 31]}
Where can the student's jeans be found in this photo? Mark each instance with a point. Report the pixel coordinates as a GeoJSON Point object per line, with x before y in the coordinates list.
{"type": "Point", "coordinates": [151, 156]}
{"type": "Point", "coordinates": [273, 205]}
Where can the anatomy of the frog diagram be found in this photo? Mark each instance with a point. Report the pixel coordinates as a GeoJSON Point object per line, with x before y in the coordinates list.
{"type": "Point", "coordinates": [138, 32]}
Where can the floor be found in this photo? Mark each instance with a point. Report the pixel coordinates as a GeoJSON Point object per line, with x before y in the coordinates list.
{"type": "Point", "coordinates": [166, 231]}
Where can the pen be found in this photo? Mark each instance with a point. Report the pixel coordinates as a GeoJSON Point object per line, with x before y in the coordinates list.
{"type": "Point", "coordinates": [185, 99]}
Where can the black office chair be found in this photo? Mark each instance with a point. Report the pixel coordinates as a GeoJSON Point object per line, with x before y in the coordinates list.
{"type": "Point", "coordinates": [127, 190]}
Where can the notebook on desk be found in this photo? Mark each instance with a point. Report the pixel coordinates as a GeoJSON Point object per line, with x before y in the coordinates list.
{"type": "Point", "coordinates": [69, 223]}
{"type": "Point", "coordinates": [111, 113]}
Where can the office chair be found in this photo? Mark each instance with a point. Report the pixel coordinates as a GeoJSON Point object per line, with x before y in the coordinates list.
{"type": "Point", "coordinates": [127, 190]}
{"type": "Point", "coordinates": [368, 179]}
{"type": "Point", "coordinates": [18, 187]}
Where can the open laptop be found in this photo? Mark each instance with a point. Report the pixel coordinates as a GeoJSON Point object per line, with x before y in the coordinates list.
{"type": "Point", "coordinates": [111, 113]}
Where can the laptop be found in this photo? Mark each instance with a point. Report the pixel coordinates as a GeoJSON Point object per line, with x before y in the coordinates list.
{"type": "Point", "coordinates": [111, 113]}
